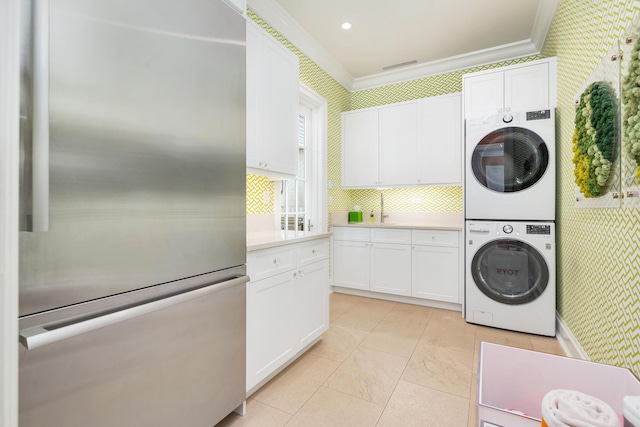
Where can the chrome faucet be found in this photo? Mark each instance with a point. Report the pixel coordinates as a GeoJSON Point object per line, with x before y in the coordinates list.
{"type": "Point", "coordinates": [382, 214]}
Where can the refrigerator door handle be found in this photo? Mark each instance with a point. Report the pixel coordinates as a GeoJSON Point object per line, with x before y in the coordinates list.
{"type": "Point", "coordinates": [41, 335]}
{"type": "Point", "coordinates": [40, 118]}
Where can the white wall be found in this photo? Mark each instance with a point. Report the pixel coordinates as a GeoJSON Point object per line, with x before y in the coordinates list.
{"type": "Point", "coordinates": [9, 109]}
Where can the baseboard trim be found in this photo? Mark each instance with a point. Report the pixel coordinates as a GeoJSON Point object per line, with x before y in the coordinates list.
{"type": "Point", "coordinates": [568, 341]}
{"type": "Point", "coordinates": [399, 298]}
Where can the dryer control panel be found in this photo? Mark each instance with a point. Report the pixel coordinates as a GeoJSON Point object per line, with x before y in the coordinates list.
{"type": "Point", "coordinates": [539, 115]}
{"type": "Point", "coordinates": [538, 229]}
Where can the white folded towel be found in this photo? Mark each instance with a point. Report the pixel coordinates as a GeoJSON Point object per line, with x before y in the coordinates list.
{"type": "Point", "coordinates": [631, 410]}
{"type": "Point", "coordinates": [568, 408]}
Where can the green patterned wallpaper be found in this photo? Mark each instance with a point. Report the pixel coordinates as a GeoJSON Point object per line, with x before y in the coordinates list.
{"type": "Point", "coordinates": [598, 249]}
{"type": "Point", "coordinates": [257, 186]}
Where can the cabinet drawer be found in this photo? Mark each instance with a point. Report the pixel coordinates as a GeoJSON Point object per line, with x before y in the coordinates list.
{"type": "Point", "coordinates": [391, 235]}
{"type": "Point", "coordinates": [269, 262]}
{"type": "Point", "coordinates": [436, 238]}
{"type": "Point", "coordinates": [315, 250]}
{"type": "Point", "coordinates": [351, 233]}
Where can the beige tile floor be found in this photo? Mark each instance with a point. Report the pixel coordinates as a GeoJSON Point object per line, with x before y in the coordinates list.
{"type": "Point", "coordinates": [383, 363]}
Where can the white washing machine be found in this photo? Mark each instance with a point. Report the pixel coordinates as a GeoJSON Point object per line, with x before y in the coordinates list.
{"type": "Point", "coordinates": [510, 278]}
{"type": "Point", "coordinates": [510, 171]}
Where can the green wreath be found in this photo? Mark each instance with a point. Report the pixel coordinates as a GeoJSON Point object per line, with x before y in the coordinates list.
{"type": "Point", "coordinates": [631, 102]}
{"type": "Point", "coordinates": [594, 139]}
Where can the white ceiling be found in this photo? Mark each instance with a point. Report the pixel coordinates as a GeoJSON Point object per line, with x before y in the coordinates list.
{"type": "Point", "coordinates": [441, 35]}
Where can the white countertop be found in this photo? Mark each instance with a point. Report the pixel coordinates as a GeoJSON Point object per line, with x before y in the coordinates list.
{"type": "Point", "coordinates": [413, 220]}
{"type": "Point", "coordinates": [415, 226]}
{"type": "Point", "coordinates": [270, 239]}
{"type": "Point", "coordinates": [258, 239]}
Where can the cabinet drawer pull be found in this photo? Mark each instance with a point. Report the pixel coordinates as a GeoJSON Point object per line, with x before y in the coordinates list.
{"type": "Point", "coordinates": [314, 251]}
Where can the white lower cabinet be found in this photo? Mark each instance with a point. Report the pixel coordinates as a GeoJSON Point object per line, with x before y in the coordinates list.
{"type": "Point", "coordinates": [378, 259]}
{"type": "Point", "coordinates": [435, 273]}
{"type": "Point", "coordinates": [311, 303]}
{"type": "Point", "coordinates": [286, 311]}
{"type": "Point", "coordinates": [415, 263]}
{"type": "Point", "coordinates": [351, 264]}
{"type": "Point", "coordinates": [269, 336]}
{"type": "Point", "coordinates": [435, 257]}
{"type": "Point", "coordinates": [391, 268]}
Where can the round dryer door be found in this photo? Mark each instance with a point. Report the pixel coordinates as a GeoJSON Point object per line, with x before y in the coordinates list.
{"type": "Point", "coordinates": [509, 159]}
{"type": "Point", "coordinates": [510, 271]}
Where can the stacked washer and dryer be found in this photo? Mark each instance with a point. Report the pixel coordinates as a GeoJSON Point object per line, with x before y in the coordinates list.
{"type": "Point", "coordinates": [510, 195]}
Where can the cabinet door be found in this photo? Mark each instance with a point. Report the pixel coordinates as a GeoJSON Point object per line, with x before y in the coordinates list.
{"type": "Point", "coordinates": [269, 326]}
{"type": "Point", "coordinates": [254, 45]}
{"type": "Point", "coordinates": [351, 264]}
{"type": "Point", "coordinates": [360, 149]}
{"type": "Point", "coordinates": [527, 88]}
{"type": "Point", "coordinates": [391, 268]}
{"type": "Point", "coordinates": [278, 107]}
{"type": "Point", "coordinates": [440, 140]}
{"type": "Point", "coordinates": [435, 273]}
{"type": "Point", "coordinates": [311, 303]}
{"type": "Point", "coordinates": [398, 144]}
{"type": "Point", "coordinates": [483, 94]}
{"type": "Point", "coordinates": [272, 104]}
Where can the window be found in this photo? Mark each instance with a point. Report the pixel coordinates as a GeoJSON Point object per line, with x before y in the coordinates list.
{"type": "Point", "coordinates": [293, 194]}
{"type": "Point", "coordinates": [302, 201]}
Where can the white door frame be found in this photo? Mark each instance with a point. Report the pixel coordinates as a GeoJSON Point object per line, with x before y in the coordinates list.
{"type": "Point", "coordinates": [9, 157]}
{"type": "Point", "coordinates": [318, 106]}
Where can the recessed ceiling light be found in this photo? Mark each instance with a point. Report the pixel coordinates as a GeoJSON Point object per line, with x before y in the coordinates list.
{"type": "Point", "coordinates": [346, 25]}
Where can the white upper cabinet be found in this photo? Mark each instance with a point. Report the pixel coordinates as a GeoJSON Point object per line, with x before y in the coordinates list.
{"type": "Point", "coordinates": [523, 87]}
{"type": "Point", "coordinates": [483, 94]}
{"type": "Point", "coordinates": [405, 144]}
{"type": "Point", "coordinates": [272, 105]}
{"type": "Point", "coordinates": [440, 135]}
{"type": "Point", "coordinates": [527, 88]}
{"type": "Point", "coordinates": [398, 144]}
{"type": "Point", "coordinates": [360, 154]}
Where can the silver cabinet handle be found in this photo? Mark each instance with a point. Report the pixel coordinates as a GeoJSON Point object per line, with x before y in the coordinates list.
{"type": "Point", "coordinates": [41, 335]}
{"type": "Point", "coordinates": [40, 142]}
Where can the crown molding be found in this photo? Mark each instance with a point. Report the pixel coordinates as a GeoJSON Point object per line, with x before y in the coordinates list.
{"type": "Point", "coordinates": [283, 23]}
{"type": "Point", "coordinates": [447, 65]}
{"type": "Point", "coordinates": [542, 23]}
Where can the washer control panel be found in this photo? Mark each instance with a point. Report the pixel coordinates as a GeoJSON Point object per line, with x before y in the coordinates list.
{"type": "Point", "coordinates": [538, 229]}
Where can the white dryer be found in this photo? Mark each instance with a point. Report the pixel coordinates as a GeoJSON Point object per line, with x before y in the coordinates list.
{"type": "Point", "coordinates": [510, 171]}
{"type": "Point", "coordinates": [511, 275]}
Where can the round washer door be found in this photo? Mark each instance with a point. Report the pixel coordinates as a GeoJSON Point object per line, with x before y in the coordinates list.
{"type": "Point", "coordinates": [509, 159]}
{"type": "Point", "coordinates": [510, 271]}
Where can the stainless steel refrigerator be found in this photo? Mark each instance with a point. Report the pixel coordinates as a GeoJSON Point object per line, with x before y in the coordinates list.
{"type": "Point", "coordinates": [132, 254]}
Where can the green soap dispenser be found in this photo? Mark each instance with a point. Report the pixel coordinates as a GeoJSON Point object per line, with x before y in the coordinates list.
{"type": "Point", "coordinates": [371, 219]}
